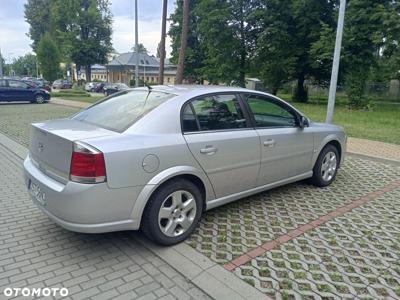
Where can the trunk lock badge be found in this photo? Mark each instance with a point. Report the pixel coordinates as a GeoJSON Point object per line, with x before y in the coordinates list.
{"type": "Point", "coordinates": [41, 147]}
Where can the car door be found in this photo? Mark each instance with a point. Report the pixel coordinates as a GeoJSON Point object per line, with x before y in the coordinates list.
{"type": "Point", "coordinates": [221, 140]}
{"type": "Point", "coordinates": [20, 91]}
{"type": "Point", "coordinates": [3, 89]}
{"type": "Point", "coordinates": [286, 149]}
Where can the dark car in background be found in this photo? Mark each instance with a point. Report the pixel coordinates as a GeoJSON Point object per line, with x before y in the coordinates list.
{"type": "Point", "coordinates": [99, 87]}
{"type": "Point", "coordinates": [19, 90]}
{"type": "Point", "coordinates": [114, 88]}
{"type": "Point", "coordinates": [60, 84]}
{"type": "Point", "coordinates": [40, 83]}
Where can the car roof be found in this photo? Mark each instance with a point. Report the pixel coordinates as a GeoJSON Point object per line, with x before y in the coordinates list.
{"type": "Point", "coordinates": [195, 89]}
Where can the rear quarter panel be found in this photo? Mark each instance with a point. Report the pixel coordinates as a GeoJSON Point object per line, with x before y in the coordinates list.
{"type": "Point", "coordinates": [125, 155]}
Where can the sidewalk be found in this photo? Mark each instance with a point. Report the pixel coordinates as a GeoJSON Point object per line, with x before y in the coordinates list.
{"type": "Point", "coordinates": [70, 103]}
{"type": "Point", "coordinates": [374, 149]}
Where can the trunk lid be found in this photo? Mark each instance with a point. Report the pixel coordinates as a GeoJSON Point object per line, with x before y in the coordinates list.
{"type": "Point", "coordinates": [52, 143]}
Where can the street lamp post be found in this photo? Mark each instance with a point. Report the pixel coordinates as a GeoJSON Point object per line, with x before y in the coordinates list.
{"type": "Point", "coordinates": [1, 65]}
{"type": "Point", "coordinates": [336, 62]}
{"type": "Point", "coordinates": [136, 46]}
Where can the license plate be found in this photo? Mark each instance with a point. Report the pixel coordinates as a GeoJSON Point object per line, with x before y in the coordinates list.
{"type": "Point", "coordinates": [36, 193]}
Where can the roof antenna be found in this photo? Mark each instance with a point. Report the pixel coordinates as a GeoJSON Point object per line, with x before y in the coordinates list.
{"type": "Point", "coordinates": [148, 86]}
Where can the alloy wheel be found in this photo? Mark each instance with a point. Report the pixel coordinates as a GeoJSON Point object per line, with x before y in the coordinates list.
{"type": "Point", "coordinates": [329, 165]}
{"type": "Point", "coordinates": [39, 99]}
{"type": "Point", "coordinates": [177, 213]}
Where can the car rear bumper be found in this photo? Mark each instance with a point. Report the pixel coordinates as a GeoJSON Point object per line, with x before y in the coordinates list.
{"type": "Point", "coordinates": [90, 208]}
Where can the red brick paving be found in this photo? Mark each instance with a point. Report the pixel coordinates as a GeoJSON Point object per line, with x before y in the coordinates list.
{"type": "Point", "coordinates": [292, 234]}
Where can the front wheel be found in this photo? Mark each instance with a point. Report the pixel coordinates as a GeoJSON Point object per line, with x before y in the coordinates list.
{"type": "Point", "coordinates": [326, 166]}
{"type": "Point", "coordinates": [173, 212]}
{"type": "Point", "coordinates": [39, 99]}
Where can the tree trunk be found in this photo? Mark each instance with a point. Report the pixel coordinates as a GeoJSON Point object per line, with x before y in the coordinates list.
{"type": "Point", "coordinates": [242, 71]}
{"type": "Point", "coordinates": [301, 94]}
{"type": "Point", "coordinates": [88, 73]}
{"type": "Point", "coordinates": [182, 51]}
{"type": "Point", "coordinates": [162, 43]}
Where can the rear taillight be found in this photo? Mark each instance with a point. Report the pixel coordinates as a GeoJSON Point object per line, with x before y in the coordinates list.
{"type": "Point", "coordinates": [87, 164]}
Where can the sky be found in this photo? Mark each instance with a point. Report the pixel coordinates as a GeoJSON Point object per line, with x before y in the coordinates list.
{"type": "Point", "coordinates": [14, 41]}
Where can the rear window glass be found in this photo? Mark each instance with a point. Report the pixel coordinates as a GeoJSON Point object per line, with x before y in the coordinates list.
{"type": "Point", "coordinates": [120, 111]}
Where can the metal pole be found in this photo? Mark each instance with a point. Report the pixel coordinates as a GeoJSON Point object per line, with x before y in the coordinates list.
{"type": "Point", "coordinates": [1, 65]}
{"type": "Point", "coordinates": [136, 47]}
{"type": "Point", "coordinates": [336, 62]}
{"type": "Point", "coordinates": [37, 67]}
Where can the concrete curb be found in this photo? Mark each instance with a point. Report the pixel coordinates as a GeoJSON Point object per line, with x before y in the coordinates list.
{"type": "Point", "coordinates": [207, 275]}
{"type": "Point", "coordinates": [374, 158]}
{"type": "Point", "coordinates": [13, 146]}
{"type": "Point", "coordinates": [69, 103]}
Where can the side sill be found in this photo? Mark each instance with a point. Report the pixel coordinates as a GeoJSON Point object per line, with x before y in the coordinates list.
{"type": "Point", "coordinates": [227, 199]}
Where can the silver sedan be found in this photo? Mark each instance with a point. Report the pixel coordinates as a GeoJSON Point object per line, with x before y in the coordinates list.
{"type": "Point", "coordinates": [156, 159]}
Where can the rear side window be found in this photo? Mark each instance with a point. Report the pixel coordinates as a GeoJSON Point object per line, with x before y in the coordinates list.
{"type": "Point", "coordinates": [120, 111]}
{"type": "Point", "coordinates": [217, 112]}
{"type": "Point", "coordinates": [17, 84]}
{"type": "Point", "coordinates": [3, 83]}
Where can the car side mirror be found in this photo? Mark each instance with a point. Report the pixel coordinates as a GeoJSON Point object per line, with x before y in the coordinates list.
{"type": "Point", "coordinates": [303, 122]}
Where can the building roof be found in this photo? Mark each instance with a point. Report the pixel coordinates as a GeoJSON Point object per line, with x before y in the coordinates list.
{"type": "Point", "coordinates": [129, 59]}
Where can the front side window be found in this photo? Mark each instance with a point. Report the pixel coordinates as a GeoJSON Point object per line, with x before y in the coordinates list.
{"type": "Point", "coordinates": [217, 112]}
{"type": "Point", "coordinates": [3, 83]}
{"type": "Point", "coordinates": [118, 112]}
{"type": "Point", "coordinates": [268, 113]}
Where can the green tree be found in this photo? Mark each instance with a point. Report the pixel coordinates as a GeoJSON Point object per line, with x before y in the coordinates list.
{"type": "Point", "coordinates": [142, 48]}
{"type": "Point", "coordinates": [38, 14]}
{"type": "Point", "coordinates": [49, 58]}
{"type": "Point", "coordinates": [25, 65]}
{"type": "Point", "coordinates": [227, 32]}
{"type": "Point", "coordinates": [195, 54]}
{"type": "Point", "coordinates": [370, 46]}
{"type": "Point", "coordinates": [290, 30]}
{"type": "Point", "coordinates": [85, 28]}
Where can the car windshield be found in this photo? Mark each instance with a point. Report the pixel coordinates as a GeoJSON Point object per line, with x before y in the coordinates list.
{"type": "Point", "coordinates": [118, 112]}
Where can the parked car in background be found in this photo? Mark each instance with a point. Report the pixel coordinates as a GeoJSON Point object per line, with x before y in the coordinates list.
{"type": "Point", "coordinates": [62, 84]}
{"type": "Point", "coordinates": [99, 86]}
{"type": "Point", "coordinates": [157, 158]}
{"type": "Point", "coordinates": [114, 88]}
{"type": "Point", "coordinates": [89, 86]}
{"type": "Point", "coordinates": [41, 83]}
{"type": "Point", "coordinates": [18, 90]}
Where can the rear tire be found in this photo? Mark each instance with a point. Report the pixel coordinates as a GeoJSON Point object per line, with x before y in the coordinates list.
{"type": "Point", "coordinates": [326, 166]}
{"type": "Point", "coordinates": [172, 212]}
{"type": "Point", "coordinates": [39, 99]}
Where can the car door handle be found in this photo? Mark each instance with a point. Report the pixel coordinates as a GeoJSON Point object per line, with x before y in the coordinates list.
{"type": "Point", "coordinates": [208, 150]}
{"type": "Point", "coordinates": [269, 143]}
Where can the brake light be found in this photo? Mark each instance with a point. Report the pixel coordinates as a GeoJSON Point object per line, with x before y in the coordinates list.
{"type": "Point", "coordinates": [87, 164]}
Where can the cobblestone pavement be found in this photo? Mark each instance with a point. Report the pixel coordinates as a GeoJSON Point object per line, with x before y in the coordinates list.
{"type": "Point", "coordinates": [354, 255]}
{"type": "Point", "coordinates": [374, 148]}
{"type": "Point", "coordinates": [335, 260]}
{"type": "Point", "coordinates": [15, 118]}
{"type": "Point", "coordinates": [35, 252]}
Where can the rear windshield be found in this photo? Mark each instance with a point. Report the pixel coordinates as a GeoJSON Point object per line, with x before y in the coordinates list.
{"type": "Point", "coordinates": [118, 112]}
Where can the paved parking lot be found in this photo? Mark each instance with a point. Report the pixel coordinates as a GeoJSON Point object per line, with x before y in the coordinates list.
{"type": "Point", "coordinates": [355, 253]}
{"type": "Point", "coordinates": [294, 242]}
{"type": "Point", "coordinates": [16, 117]}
